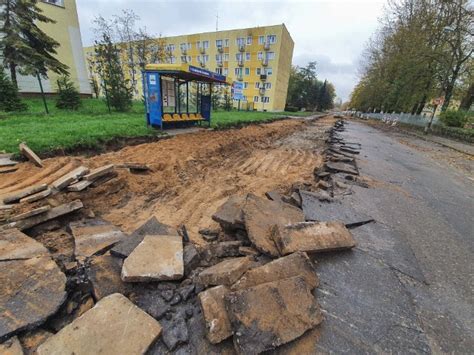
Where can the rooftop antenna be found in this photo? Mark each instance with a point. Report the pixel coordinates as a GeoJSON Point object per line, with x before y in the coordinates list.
{"type": "Point", "coordinates": [217, 21]}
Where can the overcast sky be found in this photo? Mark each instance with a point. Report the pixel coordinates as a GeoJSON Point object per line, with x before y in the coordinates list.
{"type": "Point", "coordinates": [333, 33]}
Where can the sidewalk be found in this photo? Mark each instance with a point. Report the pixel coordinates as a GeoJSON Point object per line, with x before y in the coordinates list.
{"type": "Point", "coordinates": [465, 148]}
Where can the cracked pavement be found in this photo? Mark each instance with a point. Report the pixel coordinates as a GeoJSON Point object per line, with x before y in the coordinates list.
{"type": "Point", "coordinates": [408, 285]}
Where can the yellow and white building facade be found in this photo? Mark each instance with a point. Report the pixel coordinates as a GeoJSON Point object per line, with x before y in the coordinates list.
{"type": "Point", "coordinates": [259, 57]}
{"type": "Point", "coordinates": [66, 31]}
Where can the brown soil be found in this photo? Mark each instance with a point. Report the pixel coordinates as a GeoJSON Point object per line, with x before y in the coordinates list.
{"type": "Point", "coordinates": [192, 174]}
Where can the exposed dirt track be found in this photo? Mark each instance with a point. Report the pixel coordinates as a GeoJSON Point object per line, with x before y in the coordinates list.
{"type": "Point", "coordinates": [192, 174]}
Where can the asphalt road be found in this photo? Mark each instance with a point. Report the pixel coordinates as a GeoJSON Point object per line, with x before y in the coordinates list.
{"type": "Point", "coordinates": [408, 285]}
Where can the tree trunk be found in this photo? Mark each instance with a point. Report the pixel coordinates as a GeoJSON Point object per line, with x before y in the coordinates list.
{"type": "Point", "coordinates": [13, 74]}
{"type": "Point", "coordinates": [468, 99]}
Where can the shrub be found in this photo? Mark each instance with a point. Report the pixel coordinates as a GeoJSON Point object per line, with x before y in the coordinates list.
{"type": "Point", "coordinates": [9, 98]}
{"type": "Point", "coordinates": [291, 109]}
{"type": "Point", "coordinates": [68, 96]}
{"type": "Point", "coordinates": [453, 118]}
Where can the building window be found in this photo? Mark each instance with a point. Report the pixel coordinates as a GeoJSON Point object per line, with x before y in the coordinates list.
{"type": "Point", "coordinates": [55, 2]}
{"type": "Point", "coordinates": [218, 57]}
{"type": "Point", "coordinates": [239, 57]}
{"type": "Point", "coordinates": [240, 41]}
{"type": "Point", "coordinates": [226, 43]}
{"type": "Point", "coordinates": [268, 85]}
{"type": "Point", "coordinates": [247, 56]}
{"type": "Point", "coordinates": [238, 71]}
{"type": "Point", "coordinates": [184, 59]}
{"type": "Point", "coordinates": [270, 55]}
{"type": "Point", "coordinates": [219, 71]}
{"type": "Point", "coordinates": [249, 40]}
{"type": "Point", "coordinates": [269, 71]}
{"type": "Point", "coordinates": [226, 57]}
{"type": "Point", "coordinates": [225, 72]}
{"type": "Point", "coordinates": [257, 85]}
{"type": "Point", "coordinates": [247, 71]}
{"type": "Point", "coordinates": [189, 59]}
{"type": "Point", "coordinates": [271, 39]}
{"type": "Point", "coordinates": [244, 98]}
{"type": "Point", "coordinates": [171, 59]}
{"type": "Point", "coordinates": [255, 99]}
{"type": "Point", "coordinates": [205, 58]}
{"type": "Point", "coordinates": [258, 71]}
{"type": "Point", "coordinates": [170, 47]}
{"type": "Point", "coordinates": [205, 44]}
{"type": "Point", "coordinates": [218, 43]}
{"type": "Point", "coordinates": [265, 99]}
{"type": "Point", "coordinates": [198, 58]}
{"type": "Point", "coordinates": [183, 46]}
{"type": "Point", "coordinates": [260, 55]}
{"type": "Point", "coordinates": [246, 84]}
{"type": "Point", "coordinates": [261, 39]}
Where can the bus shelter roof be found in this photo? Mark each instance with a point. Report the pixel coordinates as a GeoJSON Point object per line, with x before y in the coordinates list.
{"type": "Point", "coordinates": [188, 72]}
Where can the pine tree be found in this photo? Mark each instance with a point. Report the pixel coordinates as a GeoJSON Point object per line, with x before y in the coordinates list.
{"type": "Point", "coordinates": [68, 97]}
{"type": "Point", "coordinates": [9, 98]}
{"type": "Point", "coordinates": [23, 44]}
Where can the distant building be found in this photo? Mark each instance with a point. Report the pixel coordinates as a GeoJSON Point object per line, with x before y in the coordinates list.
{"type": "Point", "coordinates": [259, 57]}
{"type": "Point", "coordinates": [66, 31]}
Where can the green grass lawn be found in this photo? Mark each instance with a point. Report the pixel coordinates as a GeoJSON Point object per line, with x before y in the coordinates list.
{"type": "Point", "coordinates": [92, 125]}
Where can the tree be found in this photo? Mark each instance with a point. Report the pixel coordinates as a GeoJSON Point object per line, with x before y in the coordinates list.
{"type": "Point", "coordinates": [23, 44]}
{"type": "Point", "coordinates": [9, 98]}
{"type": "Point", "coordinates": [68, 96]}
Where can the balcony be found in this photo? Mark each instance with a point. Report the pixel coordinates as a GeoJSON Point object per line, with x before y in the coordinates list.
{"type": "Point", "coordinates": [202, 50]}
{"type": "Point", "coordinates": [241, 63]}
{"type": "Point", "coordinates": [240, 77]}
{"type": "Point", "coordinates": [266, 46]}
{"type": "Point", "coordinates": [203, 64]}
{"type": "Point", "coordinates": [265, 62]}
{"type": "Point", "coordinates": [261, 91]}
{"type": "Point", "coordinates": [184, 51]}
{"type": "Point", "coordinates": [241, 47]}
{"type": "Point", "coordinates": [220, 49]}
{"type": "Point", "coordinates": [219, 63]}
{"type": "Point", "coordinates": [263, 77]}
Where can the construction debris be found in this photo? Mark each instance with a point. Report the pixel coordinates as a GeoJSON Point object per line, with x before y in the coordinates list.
{"type": "Point", "coordinates": [226, 272]}
{"type": "Point", "coordinates": [15, 245]}
{"type": "Point", "coordinates": [6, 160]}
{"type": "Point", "coordinates": [271, 314]}
{"type": "Point", "coordinates": [70, 177]}
{"type": "Point", "coordinates": [99, 172]}
{"type": "Point", "coordinates": [54, 212]}
{"type": "Point", "coordinates": [27, 152]}
{"type": "Point", "coordinates": [30, 213]}
{"type": "Point", "coordinates": [341, 167]}
{"type": "Point", "coordinates": [32, 290]}
{"type": "Point", "coordinates": [115, 326]}
{"type": "Point", "coordinates": [104, 276]}
{"type": "Point", "coordinates": [134, 167]}
{"type": "Point", "coordinates": [17, 196]}
{"type": "Point", "coordinates": [8, 169]}
{"type": "Point", "coordinates": [94, 236]}
{"type": "Point", "coordinates": [214, 312]}
{"type": "Point", "coordinates": [36, 197]}
{"type": "Point", "coordinates": [155, 259]}
{"type": "Point", "coordinates": [79, 186]}
{"type": "Point", "coordinates": [261, 215]}
{"type": "Point", "coordinates": [11, 347]}
{"type": "Point", "coordinates": [313, 237]}
{"type": "Point", "coordinates": [230, 215]}
{"type": "Point", "coordinates": [296, 264]}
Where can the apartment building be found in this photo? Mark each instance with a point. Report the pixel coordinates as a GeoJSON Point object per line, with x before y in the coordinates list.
{"type": "Point", "coordinates": [259, 57]}
{"type": "Point", "coordinates": [66, 32]}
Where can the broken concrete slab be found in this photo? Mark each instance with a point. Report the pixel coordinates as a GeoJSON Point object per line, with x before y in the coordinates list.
{"type": "Point", "coordinates": [151, 227]}
{"type": "Point", "coordinates": [70, 177]}
{"type": "Point", "coordinates": [79, 186]}
{"type": "Point", "coordinates": [229, 215]}
{"type": "Point", "coordinates": [191, 258]}
{"type": "Point", "coordinates": [175, 332]}
{"type": "Point", "coordinates": [348, 149]}
{"type": "Point", "coordinates": [8, 169]}
{"type": "Point", "coordinates": [224, 249]}
{"type": "Point", "coordinates": [104, 275]}
{"type": "Point", "coordinates": [11, 346]}
{"type": "Point", "coordinates": [271, 314]}
{"type": "Point", "coordinates": [341, 168]}
{"type": "Point", "coordinates": [6, 160]}
{"type": "Point", "coordinates": [340, 210]}
{"type": "Point", "coordinates": [151, 302]}
{"type": "Point", "coordinates": [17, 196]}
{"type": "Point", "coordinates": [31, 291]}
{"type": "Point", "coordinates": [114, 326]}
{"type": "Point", "coordinates": [99, 172]}
{"type": "Point", "coordinates": [94, 236]}
{"type": "Point", "coordinates": [226, 272]}
{"type": "Point", "coordinates": [134, 167]}
{"type": "Point", "coordinates": [15, 245]}
{"type": "Point", "coordinates": [104, 178]}
{"type": "Point", "coordinates": [320, 196]}
{"type": "Point", "coordinates": [296, 264]}
{"type": "Point", "coordinates": [274, 195]}
{"type": "Point", "coordinates": [36, 197]}
{"type": "Point", "coordinates": [155, 259]}
{"type": "Point", "coordinates": [313, 237]}
{"type": "Point", "coordinates": [27, 152]}
{"type": "Point", "coordinates": [31, 213]}
{"type": "Point", "coordinates": [51, 214]}
{"type": "Point", "coordinates": [261, 215]}
{"type": "Point", "coordinates": [215, 314]}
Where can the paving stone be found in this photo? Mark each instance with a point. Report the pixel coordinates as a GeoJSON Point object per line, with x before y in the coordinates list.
{"type": "Point", "coordinates": [151, 227]}
{"type": "Point", "coordinates": [226, 272]}
{"type": "Point", "coordinates": [70, 177]}
{"type": "Point", "coordinates": [30, 213]}
{"type": "Point", "coordinates": [175, 332]}
{"type": "Point", "coordinates": [343, 210]}
{"type": "Point", "coordinates": [230, 215]}
{"type": "Point", "coordinates": [16, 245]}
{"type": "Point", "coordinates": [313, 237]}
{"type": "Point", "coordinates": [114, 326]}
{"type": "Point", "coordinates": [155, 259]}
{"type": "Point", "coordinates": [36, 197]}
{"type": "Point", "coordinates": [215, 314]}
{"type": "Point", "coordinates": [94, 236]}
{"type": "Point", "coordinates": [31, 290]}
{"type": "Point", "coordinates": [17, 196]}
{"type": "Point", "coordinates": [341, 168]}
{"type": "Point", "coordinates": [261, 215]}
{"type": "Point", "coordinates": [51, 214]}
{"type": "Point", "coordinates": [296, 264]}
{"type": "Point", "coordinates": [98, 172]}
{"type": "Point", "coordinates": [104, 275]}
{"type": "Point", "coordinates": [11, 346]}
{"type": "Point", "coordinates": [30, 154]}
{"type": "Point", "coordinates": [271, 314]}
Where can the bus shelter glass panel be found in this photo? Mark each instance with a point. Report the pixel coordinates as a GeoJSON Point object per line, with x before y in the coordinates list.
{"type": "Point", "coordinates": [168, 94]}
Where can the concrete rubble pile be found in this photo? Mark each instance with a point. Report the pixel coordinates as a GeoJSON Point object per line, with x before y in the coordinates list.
{"type": "Point", "coordinates": [249, 287]}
